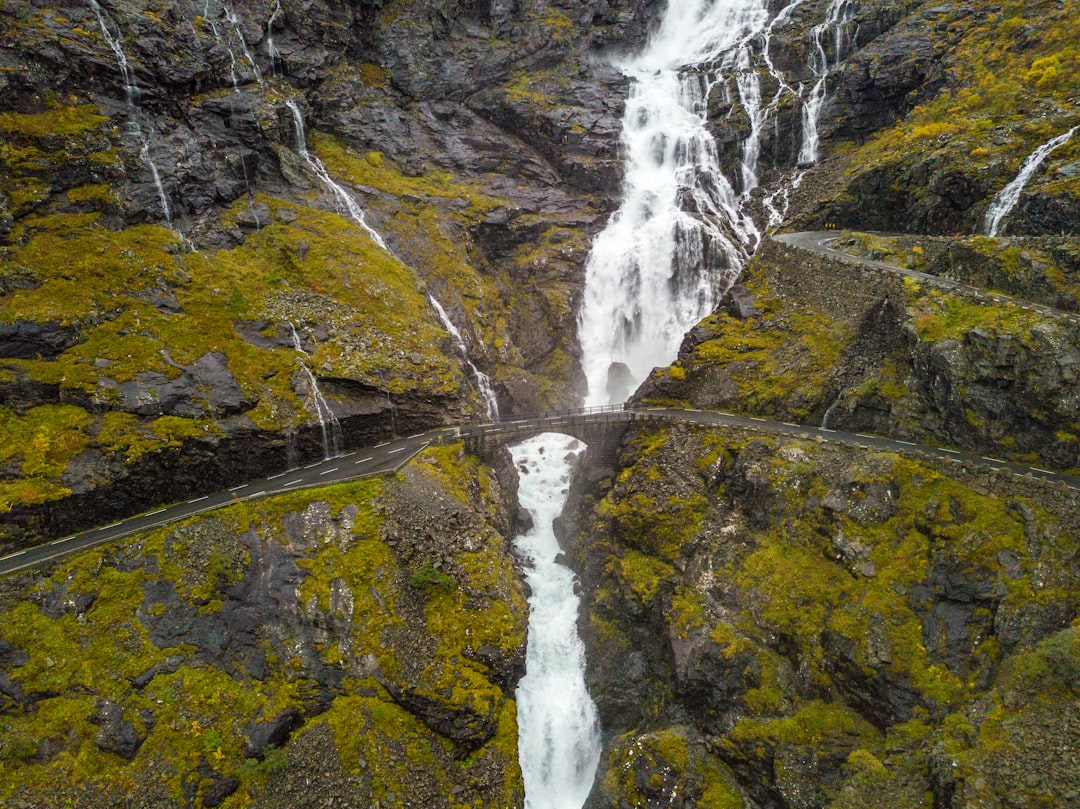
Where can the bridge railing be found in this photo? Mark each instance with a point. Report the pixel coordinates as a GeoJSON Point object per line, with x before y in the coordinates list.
{"type": "Point", "coordinates": [529, 422]}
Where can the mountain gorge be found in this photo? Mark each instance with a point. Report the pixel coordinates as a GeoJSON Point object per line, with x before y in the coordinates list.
{"type": "Point", "coordinates": [241, 236]}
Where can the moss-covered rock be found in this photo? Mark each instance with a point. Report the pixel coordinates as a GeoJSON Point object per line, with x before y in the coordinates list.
{"type": "Point", "coordinates": [822, 617]}
{"type": "Point", "coordinates": [180, 663]}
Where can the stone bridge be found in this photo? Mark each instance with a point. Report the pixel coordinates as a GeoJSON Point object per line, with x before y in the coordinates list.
{"type": "Point", "coordinates": [601, 428]}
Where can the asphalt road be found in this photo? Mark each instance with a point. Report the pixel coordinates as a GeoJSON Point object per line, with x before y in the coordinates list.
{"type": "Point", "coordinates": [389, 456]}
{"type": "Point", "coordinates": [382, 459]}
{"type": "Point", "coordinates": [818, 241]}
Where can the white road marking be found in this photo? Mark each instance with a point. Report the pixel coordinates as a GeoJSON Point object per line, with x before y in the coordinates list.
{"type": "Point", "coordinates": [313, 465]}
{"type": "Point", "coordinates": [992, 460]}
{"type": "Point", "coordinates": [279, 475]}
{"type": "Point", "coordinates": [328, 471]}
{"type": "Point", "coordinates": [392, 451]}
{"type": "Point", "coordinates": [198, 499]}
{"type": "Point", "coordinates": [159, 511]}
{"type": "Point", "coordinates": [238, 488]}
{"type": "Point", "coordinates": [950, 451]}
{"type": "Point", "coordinates": [294, 482]}
{"type": "Point", "coordinates": [107, 527]}
{"type": "Point", "coordinates": [416, 436]}
{"type": "Point", "coordinates": [362, 460]}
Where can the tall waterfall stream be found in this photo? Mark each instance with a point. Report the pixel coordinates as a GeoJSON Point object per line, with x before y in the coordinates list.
{"type": "Point", "coordinates": [677, 241]}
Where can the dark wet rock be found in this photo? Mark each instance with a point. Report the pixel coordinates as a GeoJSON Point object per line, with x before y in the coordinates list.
{"type": "Point", "coordinates": [115, 734]}
{"type": "Point", "coordinates": [24, 339]}
{"type": "Point", "coordinates": [261, 733]}
{"type": "Point", "coordinates": [219, 788]}
{"type": "Point", "coordinates": [204, 389]}
{"type": "Point", "coordinates": [167, 666]}
{"type": "Point", "coordinates": [739, 303]}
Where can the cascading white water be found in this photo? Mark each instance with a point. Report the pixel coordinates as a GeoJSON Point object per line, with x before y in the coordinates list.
{"type": "Point", "coordinates": [680, 236]}
{"type": "Point", "coordinates": [559, 734]}
{"type": "Point", "coordinates": [1009, 196]}
{"type": "Point", "coordinates": [483, 381]}
{"type": "Point", "coordinates": [131, 92]}
{"type": "Point", "coordinates": [351, 208]}
{"type": "Point", "coordinates": [328, 421]}
{"type": "Point", "coordinates": [837, 17]}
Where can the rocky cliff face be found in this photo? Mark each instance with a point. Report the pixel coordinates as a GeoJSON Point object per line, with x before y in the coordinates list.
{"type": "Point", "coordinates": [775, 622]}
{"type": "Point", "coordinates": [770, 623]}
{"type": "Point", "coordinates": [181, 281]}
{"type": "Point", "coordinates": [376, 629]}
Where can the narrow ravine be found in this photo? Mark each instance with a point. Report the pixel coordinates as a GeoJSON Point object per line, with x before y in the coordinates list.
{"type": "Point", "coordinates": [559, 735]}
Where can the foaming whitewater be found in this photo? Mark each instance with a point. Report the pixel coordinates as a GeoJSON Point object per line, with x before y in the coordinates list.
{"type": "Point", "coordinates": [483, 381]}
{"type": "Point", "coordinates": [1007, 198]}
{"type": "Point", "coordinates": [319, 170]}
{"type": "Point", "coordinates": [679, 237]}
{"type": "Point", "coordinates": [558, 731]}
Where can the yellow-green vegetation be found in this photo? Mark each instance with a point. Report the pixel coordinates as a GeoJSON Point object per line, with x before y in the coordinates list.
{"type": "Point", "coordinates": [307, 265]}
{"type": "Point", "coordinates": [647, 769]}
{"type": "Point", "coordinates": [1013, 81]}
{"type": "Point", "coordinates": [817, 559]}
{"type": "Point", "coordinates": [91, 630]}
{"type": "Point", "coordinates": [939, 315]}
{"type": "Point", "coordinates": [34, 144]}
{"type": "Point", "coordinates": [430, 215]}
{"type": "Point", "coordinates": [778, 363]}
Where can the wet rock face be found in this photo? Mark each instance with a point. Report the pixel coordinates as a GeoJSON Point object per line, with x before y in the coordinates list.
{"type": "Point", "coordinates": [818, 605]}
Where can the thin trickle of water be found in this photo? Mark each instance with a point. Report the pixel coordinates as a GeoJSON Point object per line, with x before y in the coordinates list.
{"type": "Point", "coordinates": [131, 93]}
{"type": "Point", "coordinates": [271, 49]}
{"type": "Point", "coordinates": [210, 15]}
{"type": "Point", "coordinates": [558, 730]}
{"type": "Point", "coordinates": [351, 208]}
{"type": "Point", "coordinates": [1009, 196]}
{"type": "Point", "coordinates": [837, 18]}
{"type": "Point", "coordinates": [680, 236]}
{"type": "Point", "coordinates": [483, 381]}
{"type": "Point", "coordinates": [234, 21]}
{"type": "Point", "coordinates": [316, 402]}
{"type": "Point", "coordinates": [828, 413]}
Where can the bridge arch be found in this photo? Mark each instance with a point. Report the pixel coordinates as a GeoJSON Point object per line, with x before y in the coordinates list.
{"type": "Point", "coordinates": [601, 429]}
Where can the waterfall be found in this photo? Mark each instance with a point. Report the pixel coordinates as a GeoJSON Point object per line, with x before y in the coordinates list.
{"type": "Point", "coordinates": [837, 17]}
{"type": "Point", "coordinates": [131, 93]}
{"type": "Point", "coordinates": [319, 170]}
{"type": "Point", "coordinates": [483, 381]}
{"type": "Point", "coordinates": [328, 422]}
{"type": "Point", "coordinates": [679, 237]}
{"type": "Point", "coordinates": [558, 730]}
{"type": "Point", "coordinates": [1007, 198]}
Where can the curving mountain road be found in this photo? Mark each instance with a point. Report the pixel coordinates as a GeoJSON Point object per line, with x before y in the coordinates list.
{"type": "Point", "coordinates": [390, 456]}
{"type": "Point", "coordinates": [818, 241]}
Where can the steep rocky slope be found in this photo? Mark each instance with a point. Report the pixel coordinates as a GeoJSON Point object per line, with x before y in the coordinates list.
{"type": "Point", "coordinates": [173, 248]}
{"type": "Point", "coordinates": [377, 627]}
{"type": "Point", "coordinates": [770, 623]}
{"type": "Point", "coordinates": [776, 622]}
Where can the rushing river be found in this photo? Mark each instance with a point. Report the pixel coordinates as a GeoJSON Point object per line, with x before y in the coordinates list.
{"type": "Point", "coordinates": [559, 736]}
